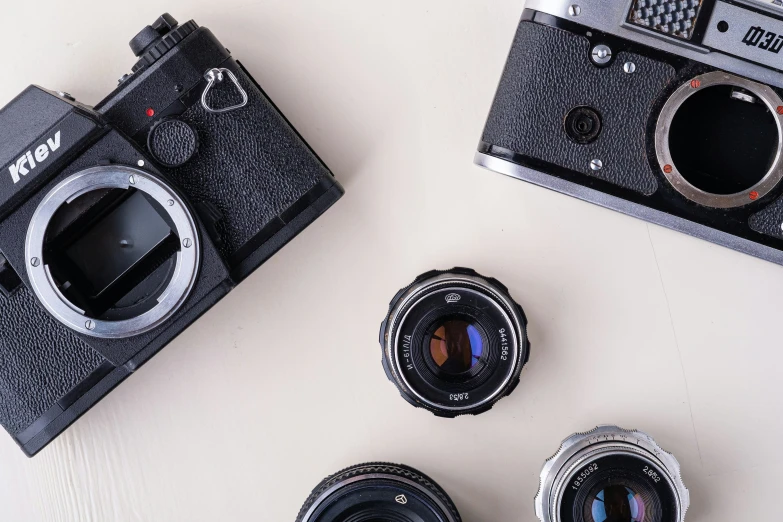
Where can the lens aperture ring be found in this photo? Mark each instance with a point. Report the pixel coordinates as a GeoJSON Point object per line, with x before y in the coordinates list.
{"type": "Point", "coordinates": [460, 295]}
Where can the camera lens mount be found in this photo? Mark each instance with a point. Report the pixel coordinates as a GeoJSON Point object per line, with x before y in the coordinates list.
{"type": "Point", "coordinates": [611, 474]}
{"type": "Point", "coordinates": [378, 491]}
{"type": "Point", "coordinates": [719, 140]}
{"type": "Point", "coordinates": [454, 342]}
{"type": "Point", "coordinates": [112, 252]}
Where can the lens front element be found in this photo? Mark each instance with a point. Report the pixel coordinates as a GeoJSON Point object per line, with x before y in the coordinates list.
{"type": "Point", "coordinates": [456, 346]}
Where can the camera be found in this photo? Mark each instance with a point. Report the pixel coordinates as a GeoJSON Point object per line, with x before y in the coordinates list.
{"type": "Point", "coordinates": [611, 475]}
{"type": "Point", "coordinates": [121, 224]}
{"type": "Point", "coordinates": [454, 342]}
{"type": "Point", "coordinates": [378, 491]}
{"type": "Point", "coordinates": [667, 110]}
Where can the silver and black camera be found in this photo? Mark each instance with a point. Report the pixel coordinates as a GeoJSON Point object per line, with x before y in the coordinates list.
{"type": "Point", "coordinates": [667, 110]}
{"type": "Point", "coordinates": [121, 224]}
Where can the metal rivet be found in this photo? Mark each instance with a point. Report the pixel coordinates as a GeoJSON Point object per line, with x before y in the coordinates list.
{"type": "Point", "coordinates": [89, 324]}
{"type": "Point", "coordinates": [35, 261]}
{"type": "Point", "coordinates": [574, 10]}
{"type": "Point", "coordinates": [170, 202]}
{"type": "Point", "coordinates": [132, 180]}
{"type": "Point", "coordinates": [140, 163]}
{"type": "Point", "coordinates": [629, 67]}
{"type": "Point", "coordinates": [601, 54]}
{"type": "Point", "coordinates": [187, 242]}
{"type": "Point", "coordinates": [596, 164]}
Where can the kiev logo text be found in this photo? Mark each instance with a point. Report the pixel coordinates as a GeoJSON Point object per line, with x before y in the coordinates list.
{"type": "Point", "coordinates": [31, 159]}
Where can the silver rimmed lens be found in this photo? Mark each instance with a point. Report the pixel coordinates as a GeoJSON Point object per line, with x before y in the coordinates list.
{"type": "Point", "coordinates": [112, 252]}
{"type": "Point", "coordinates": [610, 474]}
{"type": "Point", "coordinates": [719, 140]}
{"type": "Point", "coordinates": [454, 342]}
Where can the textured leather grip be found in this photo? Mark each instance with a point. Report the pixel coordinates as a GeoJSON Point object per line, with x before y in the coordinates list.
{"type": "Point", "coordinates": [548, 73]}
{"type": "Point", "coordinates": [251, 164]}
{"type": "Point", "coordinates": [40, 361]}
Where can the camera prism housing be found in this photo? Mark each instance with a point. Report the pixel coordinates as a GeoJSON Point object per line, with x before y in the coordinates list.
{"type": "Point", "coordinates": [121, 224]}
{"type": "Point", "coordinates": [668, 111]}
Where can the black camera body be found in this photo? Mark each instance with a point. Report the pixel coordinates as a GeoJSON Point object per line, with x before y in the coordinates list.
{"type": "Point", "coordinates": [123, 223]}
{"type": "Point", "coordinates": [668, 111]}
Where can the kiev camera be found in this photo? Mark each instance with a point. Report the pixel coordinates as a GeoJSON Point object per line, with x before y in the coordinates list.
{"type": "Point", "coordinates": [667, 110]}
{"type": "Point", "coordinates": [123, 223]}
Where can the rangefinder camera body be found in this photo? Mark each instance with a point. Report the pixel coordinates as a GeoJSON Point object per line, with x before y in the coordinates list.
{"type": "Point", "coordinates": [667, 110]}
{"type": "Point", "coordinates": [121, 224]}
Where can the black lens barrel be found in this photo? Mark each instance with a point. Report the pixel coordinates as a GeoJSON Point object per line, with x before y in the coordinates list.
{"type": "Point", "coordinates": [378, 491]}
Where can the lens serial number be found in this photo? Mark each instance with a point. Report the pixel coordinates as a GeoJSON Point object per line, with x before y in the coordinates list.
{"type": "Point", "coordinates": [592, 468]}
{"type": "Point", "coordinates": [652, 474]}
{"type": "Point", "coordinates": [458, 396]}
{"type": "Point", "coordinates": [503, 344]}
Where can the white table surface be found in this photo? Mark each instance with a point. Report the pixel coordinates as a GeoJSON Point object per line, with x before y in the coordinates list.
{"type": "Point", "coordinates": [281, 384]}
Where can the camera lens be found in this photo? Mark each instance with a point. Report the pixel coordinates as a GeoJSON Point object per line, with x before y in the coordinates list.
{"type": "Point", "coordinates": [611, 475]}
{"type": "Point", "coordinates": [113, 252]}
{"type": "Point", "coordinates": [718, 140]}
{"type": "Point", "coordinates": [378, 492]}
{"type": "Point", "coordinates": [454, 342]}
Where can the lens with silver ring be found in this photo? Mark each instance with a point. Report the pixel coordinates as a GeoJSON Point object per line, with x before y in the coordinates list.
{"type": "Point", "coordinates": [719, 140]}
{"type": "Point", "coordinates": [112, 252]}
{"type": "Point", "coordinates": [610, 475]}
{"type": "Point", "coordinates": [454, 342]}
{"type": "Point", "coordinates": [378, 491]}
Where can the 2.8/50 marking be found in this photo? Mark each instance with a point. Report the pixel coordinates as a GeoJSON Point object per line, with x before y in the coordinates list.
{"type": "Point", "coordinates": [652, 474]}
{"type": "Point", "coordinates": [458, 396]}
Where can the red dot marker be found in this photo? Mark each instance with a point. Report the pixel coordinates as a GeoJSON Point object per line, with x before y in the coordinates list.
{"type": "Point", "coordinates": [695, 84]}
{"type": "Point", "coordinates": [150, 112]}
{"type": "Point", "coordinates": [779, 110]}
{"type": "Point", "coordinates": [667, 169]}
{"type": "Point", "coordinates": [754, 195]}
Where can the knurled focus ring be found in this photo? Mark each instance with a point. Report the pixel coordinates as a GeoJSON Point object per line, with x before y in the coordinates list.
{"type": "Point", "coordinates": [377, 468]}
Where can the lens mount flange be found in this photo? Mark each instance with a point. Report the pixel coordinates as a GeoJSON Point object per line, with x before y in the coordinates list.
{"type": "Point", "coordinates": [113, 177]}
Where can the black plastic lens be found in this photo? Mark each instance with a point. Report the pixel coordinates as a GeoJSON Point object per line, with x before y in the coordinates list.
{"type": "Point", "coordinates": [454, 342]}
{"type": "Point", "coordinates": [378, 492]}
